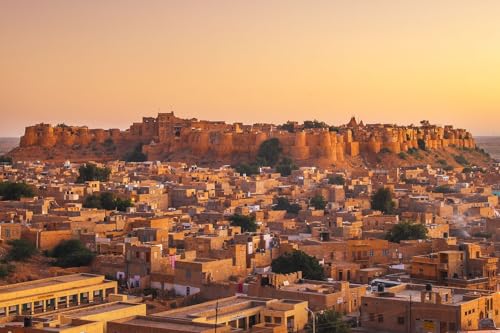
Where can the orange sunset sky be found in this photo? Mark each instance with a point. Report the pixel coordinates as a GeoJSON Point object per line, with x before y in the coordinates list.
{"type": "Point", "coordinates": [107, 63]}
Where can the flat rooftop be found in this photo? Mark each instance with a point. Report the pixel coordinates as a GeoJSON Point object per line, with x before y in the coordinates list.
{"type": "Point", "coordinates": [309, 288]}
{"type": "Point", "coordinates": [207, 309]}
{"type": "Point", "coordinates": [412, 294]}
{"type": "Point", "coordinates": [166, 324]}
{"type": "Point", "coordinates": [100, 308]}
{"type": "Point", "coordinates": [46, 282]}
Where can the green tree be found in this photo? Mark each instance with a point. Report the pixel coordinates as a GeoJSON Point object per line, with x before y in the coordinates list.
{"type": "Point", "coordinates": [329, 321]}
{"type": "Point", "coordinates": [288, 126]}
{"type": "Point", "coordinates": [123, 204]}
{"type": "Point", "coordinates": [136, 155]}
{"type": "Point", "coordinates": [90, 172]}
{"type": "Point", "coordinates": [286, 166]}
{"type": "Point", "coordinates": [92, 201]}
{"type": "Point", "coordinates": [318, 202]}
{"type": "Point", "coordinates": [15, 191]}
{"type": "Point", "coordinates": [315, 124]}
{"type": "Point", "coordinates": [108, 201]}
{"type": "Point", "coordinates": [406, 231]}
{"type": "Point", "coordinates": [282, 203]}
{"type": "Point", "coordinates": [336, 180]}
{"type": "Point", "coordinates": [382, 200]}
{"type": "Point", "coordinates": [5, 159]}
{"type": "Point", "coordinates": [247, 223]}
{"type": "Point", "coordinates": [333, 129]}
{"type": "Point", "coordinates": [269, 152]}
{"type": "Point", "coordinates": [298, 261]}
{"type": "Point", "coordinates": [72, 253]}
{"type": "Point", "coordinates": [20, 250]}
{"type": "Point", "coordinates": [248, 169]}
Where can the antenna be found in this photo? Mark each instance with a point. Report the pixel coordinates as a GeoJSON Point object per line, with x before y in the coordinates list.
{"type": "Point", "coordinates": [216, 315]}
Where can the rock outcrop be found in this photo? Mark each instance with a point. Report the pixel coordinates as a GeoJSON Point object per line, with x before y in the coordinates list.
{"type": "Point", "coordinates": [168, 137]}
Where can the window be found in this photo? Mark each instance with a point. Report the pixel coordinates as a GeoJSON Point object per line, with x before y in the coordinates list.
{"type": "Point", "coordinates": [401, 320]}
{"type": "Point", "coordinates": [277, 320]}
{"type": "Point", "coordinates": [372, 316]}
{"type": "Point", "coordinates": [380, 318]}
{"type": "Point", "coordinates": [370, 253]}
{"type": "Point", "coordinates": [451, 327]}
{"type": "Point", "coordinates": [268, 319]}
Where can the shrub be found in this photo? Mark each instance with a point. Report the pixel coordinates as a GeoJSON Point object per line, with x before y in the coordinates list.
{"type": "Point", "coordinates": [333, 129]}
{"type": "Point", "coordinates": [403, 155]}
{"type": "Point", "coordinates": [385, 151]}
{"type": "Point", "coordinates": [444, 189]}
{"type": "Point", "coordinates": [6, 269]}
{"type": "Point", "coordinates": [288, 126]}
{"type": "Point", "coordinates": [248, 169]}
{"type": "Point", "coordinates": [336, 180]}
{"type": "Point", "coordinates": [315, 124]}
{"type": "Point", "coordinates": [329, 321]}
{"type": "Point", "coordinates": [21, 250]}
{"type": "Point", "coordinates": [412, 151]}
{"type": "Point", "coordinates": [71, 253]}
{"type": "Point", "coordinates": [286, 166]}
{"type": "Point", "coordinates": [136, 155]}
{"type": "Point", "coordinates": [460, 159]}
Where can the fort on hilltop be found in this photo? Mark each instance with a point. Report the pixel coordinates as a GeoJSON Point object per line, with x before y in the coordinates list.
{"type": "Point", "coordinates": [168, 137]}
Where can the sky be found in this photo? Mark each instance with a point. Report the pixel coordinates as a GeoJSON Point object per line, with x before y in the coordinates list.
{"type": "Point", "coordinates": [108, 63]}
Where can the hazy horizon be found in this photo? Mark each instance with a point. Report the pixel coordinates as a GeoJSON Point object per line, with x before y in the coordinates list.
{"type": "Point", "coordinates": [108, 64]}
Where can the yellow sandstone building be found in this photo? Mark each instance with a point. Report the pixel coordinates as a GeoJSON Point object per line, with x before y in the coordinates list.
{"type": "Point", "coordinates": [29, 298]}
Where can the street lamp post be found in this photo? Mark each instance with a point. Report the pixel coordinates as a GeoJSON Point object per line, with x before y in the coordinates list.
{"type": "Point", "coordinates": [313, 318]}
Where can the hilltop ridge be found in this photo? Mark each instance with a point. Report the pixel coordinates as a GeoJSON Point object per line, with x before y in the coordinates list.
{"type": "Point", "coordinates": [167, 137]}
